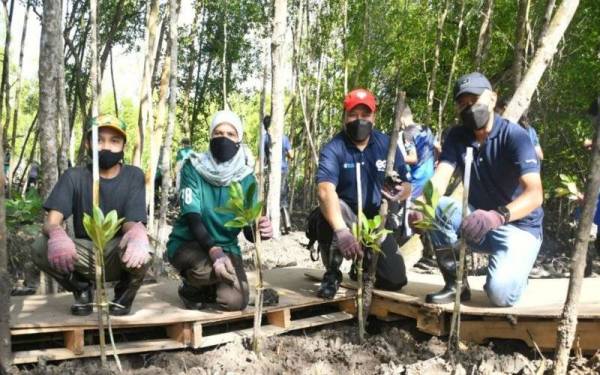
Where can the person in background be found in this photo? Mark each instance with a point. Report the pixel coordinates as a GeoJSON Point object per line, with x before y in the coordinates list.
{"type": "Point", "coordinates": [201, 247]}
{"type": "Point", "coordinates": [182, 154]}
{"type": "Point", "coordinates": [419, 144]}
{"type": "Point", "coordinates": [32, 176]}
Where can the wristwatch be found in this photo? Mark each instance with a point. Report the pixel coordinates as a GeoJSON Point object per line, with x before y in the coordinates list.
{"type": "Point", "coordinates": [505, 212]}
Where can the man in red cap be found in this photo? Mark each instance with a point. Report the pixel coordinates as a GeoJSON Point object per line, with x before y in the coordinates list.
{"type": "Point", "coordinates": [357, 142]}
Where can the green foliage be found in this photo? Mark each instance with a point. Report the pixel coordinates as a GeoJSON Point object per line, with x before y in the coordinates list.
{"type": "Point", "coordinates": [100, 228]}
{"type": "Point", "coordinates": [242, 206]}
{"type": "Point", "coordinates": [370, 235]}
{"type": "Point", "coordinates": [568, 188]}
{"type": "Point", "coordinates": [428, 208]}
{"type": "Point", "coordinates": [25, 210]}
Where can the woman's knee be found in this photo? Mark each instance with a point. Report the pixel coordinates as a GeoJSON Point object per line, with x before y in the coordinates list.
{"type": "Point", "coordinates": [232, 300]}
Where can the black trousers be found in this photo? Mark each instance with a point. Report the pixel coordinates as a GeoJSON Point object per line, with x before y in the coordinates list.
{"type": "Point", "coordinates": [195, 266]}
{"type": "Point", "coordinates": [391, 271]}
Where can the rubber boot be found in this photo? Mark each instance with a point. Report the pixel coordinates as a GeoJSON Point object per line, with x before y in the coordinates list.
{"type": "Point", "coordinates": [126, 290]}
{"type": "Point", "coordinates": [333, 276]}
{"type": "Point", "coordinates": [196, 298]}
{"type": "Point", "coordinates": [82, 293]}
{"type": "Point", "coordinates": [286, 221]}
{"type": "Point", "coordinates": [447, 260]}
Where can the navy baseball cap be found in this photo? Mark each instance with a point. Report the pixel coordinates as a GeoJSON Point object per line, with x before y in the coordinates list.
{"type": "Point", "coordinates": [473, 83]}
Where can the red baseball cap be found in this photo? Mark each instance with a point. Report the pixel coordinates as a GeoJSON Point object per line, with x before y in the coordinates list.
{"type": "Point", "coordinates": [359, 96]}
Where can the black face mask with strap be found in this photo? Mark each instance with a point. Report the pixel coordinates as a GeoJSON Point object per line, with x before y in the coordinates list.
{"type": "Point", "coordinates": [475, 117]}
{"type": "Point", "coordinates": [223, 148]}
{"type": "Point", "coordinates": [359, 129]}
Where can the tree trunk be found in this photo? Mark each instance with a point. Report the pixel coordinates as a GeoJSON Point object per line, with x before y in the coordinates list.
{"type": "Point", "coordinates": [156, 138]}
{"type": "Point", "coordinates": [568, 324]}
{"type": "Point", "coordinates": [369, 284]}
{"type": "Point", "coordinates": [22, 152]}
{"type": "Point", "coordinates": [345, 40]}
{"type": "Point", "coordinates": [277, 111]}
{"type": "Point", "coordinates": [5, 285]}
{"type": "Point", "coordinates": [522, 97]}
{"type": "Point", "coordinates": [50, 53]}
{"type": "Point", "coordinates": [63, 109]}
{"type": "Point", "coordinates": [224, 58]}
{"type": "Point", "coordinates": [166, 161]}
{"type": "Point", "coordinates": [520, 42]}
{"type": "Point", "coordinates": [5, 65]}
{"type": "Point", "coordinates": [145, 88]}
{"type": "Point", "coordinates": [453, 65]}
{"type": "Point", "coordinates": [15, 117]}
{"type": "Point", "coordinates": [547, 17]}
{"type": "Point", "coordinates": [436, 61]}
{"type": "Point", "coordinates": [485, 32]}
{"type": "Point", "coordinates": [191, 67]}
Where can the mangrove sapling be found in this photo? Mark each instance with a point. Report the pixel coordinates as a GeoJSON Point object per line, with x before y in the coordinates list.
{"type": "Point", "coordinates": [101, 229]}
{"type": "Point", "coordinates": [246, 213]}
{"type": "Point", "coordinates": [427, 207]}
{"type": "Point", "coordinates": [369, 235]}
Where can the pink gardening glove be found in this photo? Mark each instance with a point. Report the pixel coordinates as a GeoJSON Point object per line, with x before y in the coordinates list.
{"type": "Point", "coordinates": [61, 250]}
{"type": "Point", "coordinates": [265, 228]}
{"type": "Point", "coordinates": [479, 223]}
{"type": "Point", "coordinates": [222, 265]}
{"type": "Point", "coordinates": [137, 246]}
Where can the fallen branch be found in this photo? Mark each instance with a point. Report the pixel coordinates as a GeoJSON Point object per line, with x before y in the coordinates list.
{"type": "Point", "coordinates": [383, 209]}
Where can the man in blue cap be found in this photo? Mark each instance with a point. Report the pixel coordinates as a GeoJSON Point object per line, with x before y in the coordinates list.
{"type": "Point", "coordinates": [505, 198]}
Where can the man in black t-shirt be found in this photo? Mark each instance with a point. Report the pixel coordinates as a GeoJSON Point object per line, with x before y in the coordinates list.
{"type": "Point", "coordinates": [127, 256]}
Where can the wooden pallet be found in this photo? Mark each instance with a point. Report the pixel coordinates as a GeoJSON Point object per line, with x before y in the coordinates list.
{"type": "Point", "coordinates": [158, 323]}
{"type": "Point", "coordinates": [534, 320]}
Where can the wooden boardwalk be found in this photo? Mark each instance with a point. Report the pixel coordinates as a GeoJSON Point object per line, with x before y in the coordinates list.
{"type": "Point", "coordinates": [43, 328]}
{"type": "Point", "coordinates": [534, 319]}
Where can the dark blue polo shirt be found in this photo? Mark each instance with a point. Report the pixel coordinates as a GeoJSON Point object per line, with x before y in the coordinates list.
{"type": "Point", "coordinates": [337, 165]}
{"type": "Point", "coordinates": [506, 155]}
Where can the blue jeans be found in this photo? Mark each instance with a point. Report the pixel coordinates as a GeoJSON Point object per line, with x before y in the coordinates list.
{"type": "Point", "coordinates": [512, 253]}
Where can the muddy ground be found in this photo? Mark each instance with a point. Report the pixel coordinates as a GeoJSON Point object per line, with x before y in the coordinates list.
{"type": "Point", "coordinates": [391, 347]}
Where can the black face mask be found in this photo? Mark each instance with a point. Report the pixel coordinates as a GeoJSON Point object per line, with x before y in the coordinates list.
{"type": "Point", "coordinates": [223, 148]}
{"type": "Point", "coordinates": [108, 159]}
{"type": "Point", "coordinates": [475, 117]}
{"type": "Point", "coordinates": [359, 130]}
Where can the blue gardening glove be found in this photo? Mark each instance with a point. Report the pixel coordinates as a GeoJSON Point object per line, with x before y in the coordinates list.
{"type": "Point", "coordinates": [347, 244]}
{"type": "Point", "coordinates": [479, 223]}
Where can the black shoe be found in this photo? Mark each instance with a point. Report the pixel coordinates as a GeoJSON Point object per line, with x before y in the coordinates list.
{"type": "Point", "coordinates": [126, 290]}
{"type": "Point", "coordinates": [84, 300]}
{"type": "Point", "coordinates": [196, 298]}
{"type": "Point", "coordinates": [82, 290]}
{"type": "Point", "coordinates": [446, 259]}
{"type": "Point", "coordinates": [330, 284]}
{"type": "Point", "coordinates": [448, 294]}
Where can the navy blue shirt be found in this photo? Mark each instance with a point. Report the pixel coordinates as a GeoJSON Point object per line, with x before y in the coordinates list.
{"type": "Point", "coordinates": [337, 163]}
{"type": "Point", "coordinates": [506, 155]}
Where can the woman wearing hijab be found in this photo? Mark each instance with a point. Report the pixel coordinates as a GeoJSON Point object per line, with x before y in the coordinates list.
{"type": "Point", "coordinates": [200, 247]}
